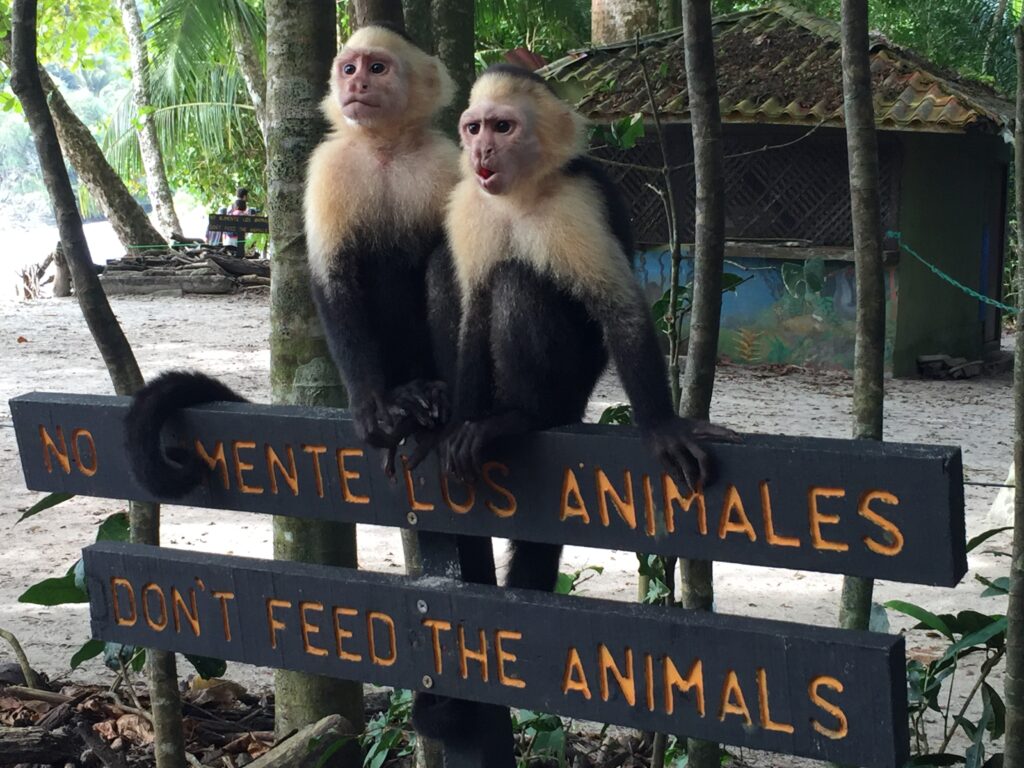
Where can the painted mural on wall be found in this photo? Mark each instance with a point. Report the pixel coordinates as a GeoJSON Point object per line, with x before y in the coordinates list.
{"type": "Point", "coordinates": [790, 312]}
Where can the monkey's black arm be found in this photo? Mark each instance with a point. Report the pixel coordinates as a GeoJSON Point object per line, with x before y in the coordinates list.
{"type": "Point", "coordinates": [633, 344]}
{"type": "Point", "coordinates": [474, 385]}
{"type": "Point", "coordinates": [356, 350]}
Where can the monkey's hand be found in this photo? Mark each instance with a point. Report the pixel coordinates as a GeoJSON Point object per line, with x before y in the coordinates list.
{"type": "Point", "coordinates": [676, 444]}
{"type": "Point", "coordinates": [462, 454]}
{"type": "Point", "coordinates": [373, 422]}
{"type": "Point", "coordinates": [424, 402]}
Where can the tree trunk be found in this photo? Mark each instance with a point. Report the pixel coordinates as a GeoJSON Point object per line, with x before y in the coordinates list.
{"type": "Point", "coordinates": [149, 146]}
{"type": "Point", "coordinates": [418, 23]}
{"type": "Point", "coordinates": [997, 22]}
{"type": "Point", "coordinates": [300, 47]}
{"type": "Point", "coordinates": [114, 348]}
{"type": "Point", "coordinates": [1013, 692]}
{"type": "Point", "coordinates": [62, 279]}
{"type": "Point", "coordinates": [130, 223]}
{"type": "Point", "coordinates": [612, 21]}
{"type": "Point", "coordinates": [869, 347]}
{"type": "Point", "coordinates": [696, 577]}
{"type": "Point", "coordinates": [370, 11]}
{"type": "Point", "coordinates": [453, 23]}
{"type": "Point", "coordinates": [670, 14]}
{"type": "Point", "coordinates": [255, 78]}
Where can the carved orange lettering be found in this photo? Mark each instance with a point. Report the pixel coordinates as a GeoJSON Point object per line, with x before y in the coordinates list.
{"type": "Point", "coordinates": [50, 447]}
{"type": "Point", "coordinates": [650, 525]}
{"type": "Point", "coordinates": [454, 506]}
{"type": "Point", "coordinates": [572, 499]}
{"type": "Point", "coordinates": [466, 653]}
{"type": "Point", "coordinates": [410, 490]}
{"type": "Point", "coordinates": [272, 622]}
{"type": "Point", "coordinates": [437, 626]}
{"type": "Point", "coordinates": [504, 656]}
{"type": "Point", "coordinates": [672, 496]}
{"type": "Point", "coordinates": [649, 680]}
{"type": "Point", "coordinates": [624, 506]}
{"type": "Point", "coordinates": [606, 663]}
{"type": "Point", "coordinates": [769, 523]}
{"type": "Point", "coordinates": [510, 499]}
{"type": "Point", "coordinates": [119, 617]}
{"type": "Point", "coordinates": [817, 518]}
{"type": "Point", "coordinates": [225, 617]}
{"type": "Point", "coordinates": [243, 466]}
{"type": "Point", "coordinates": [217, 460]}
{"type": "Point", "coordinates": [842, 725]}
{"type": "Point", "coordinates": [341, 634]}
{"type": "Point", "coordinates": [316, 451]}
{"type": "Point", "coordinates": [674, 681]}
{"type": "Point", "coordinates": [733, 702]}
{"type": "Point", "coordinates": [347, 475]}
{"type": "Point", "coordinates": [893, 544]}
{"type": "Point", "coordinates": [289, 473]}
{"type": "Point", "coordinates": [762, 699]}
{"type": "Point", "coordinates": [160, 623]}
{"type": "Point", "coordinates": [734, 518]}
{"type": "Point", "coordinates": [574, 678]}
{"type": "Point", "coordinates": [310, 629]}
{"type": "Point", "coordinates": [86, 469]}
{"type": "Point", "coordinates": [376, 658]}
{"type": "Point", "coordinates": [179, 607]}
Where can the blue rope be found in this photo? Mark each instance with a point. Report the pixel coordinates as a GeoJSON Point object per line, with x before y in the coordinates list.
{"type": "Point", "coordinates": [952, 281]}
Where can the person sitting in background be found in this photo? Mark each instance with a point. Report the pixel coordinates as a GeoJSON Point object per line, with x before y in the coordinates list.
{"type": "Point", "coordinates": [238, 208]}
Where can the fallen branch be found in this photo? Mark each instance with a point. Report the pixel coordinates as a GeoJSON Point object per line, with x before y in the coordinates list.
{"type": "Point", "coordinates": [35, 745]}
{"type": "Point", "coordinates": [36, 694]}
{"type": "Point", "coordinates": [31, 679]}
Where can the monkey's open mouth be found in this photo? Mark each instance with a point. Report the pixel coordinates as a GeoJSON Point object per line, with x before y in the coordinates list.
{"type": "Point", "coordinates": [484, 173]}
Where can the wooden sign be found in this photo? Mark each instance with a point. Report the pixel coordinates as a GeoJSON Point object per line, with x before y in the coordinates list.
{"type": "Point", "coordinates": [880, 510]}
{"type": "Point", "coordinates": [830, 694]}
{"type": "Point", "coordinates": [220, 222]}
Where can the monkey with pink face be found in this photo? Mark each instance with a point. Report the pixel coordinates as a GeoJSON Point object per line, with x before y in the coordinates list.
{"type": "Point", "coordinates": [543, 251]}
{"type": "Point", "coordinates": [543, 254]}
{"type": "Point", "coordinates": [382, 279]}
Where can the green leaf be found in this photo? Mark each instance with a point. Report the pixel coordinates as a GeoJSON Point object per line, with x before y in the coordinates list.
{"type": "Point", "coordinates": [992, 700]}
{"type": "Point", "coordinates": [45, 503]}
{"type": "Point", "coordinates": [55, 591]}
{"type": "Point", "coordinates": [207, 667]}
{"type": "Point", "coordinates": [564, 584]}
{"type": "Point", "coordinates": [90, 650]}
{"type": "Point", "coordinates": [996, 587]}
{"type": "Point", "coordinates": [927, 618]}
{"type": "Point", "coordinates": [616, 414]}
{"type": "Point", "coordinates": [985, 536]}
{"type": "Point", "coordinates": [114, 528]}
{"type": "Point", "coordinates": [981, 637]}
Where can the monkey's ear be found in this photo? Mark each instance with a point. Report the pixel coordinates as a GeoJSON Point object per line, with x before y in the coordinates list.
{"type": "Point", "coordinates": [440, 83]}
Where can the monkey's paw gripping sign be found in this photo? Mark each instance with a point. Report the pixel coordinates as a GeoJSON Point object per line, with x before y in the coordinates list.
{"type": "Point", "coordinates": [833, 506]}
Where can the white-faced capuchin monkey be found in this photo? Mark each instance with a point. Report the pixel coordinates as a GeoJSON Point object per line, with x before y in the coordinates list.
{"type": "Point", "coordinates": [543, 254]}
{"type": "Point", "coordinates": [375, 195]}
{"type": "Point", "coordinates": [375, 198]}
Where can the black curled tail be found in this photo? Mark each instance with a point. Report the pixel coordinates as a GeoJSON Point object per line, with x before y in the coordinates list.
{"type": "Point", "coordinates": [172, 472]}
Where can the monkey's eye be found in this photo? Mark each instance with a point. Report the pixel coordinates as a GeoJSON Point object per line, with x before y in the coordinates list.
{"type": "Point", "coordinates": [378, 68]}
{"type": "Point", "coordinates": [349, 69]}
{"type": "Point", "coordinates": [473, 128]}
{"type": "Point", "coordinates": [503, 126]}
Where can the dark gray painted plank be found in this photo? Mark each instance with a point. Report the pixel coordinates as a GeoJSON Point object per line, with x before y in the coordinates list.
{"type": "Point", "coordinates": [825, 693]}
{"type": "Point", "coordinates": [803, 503]}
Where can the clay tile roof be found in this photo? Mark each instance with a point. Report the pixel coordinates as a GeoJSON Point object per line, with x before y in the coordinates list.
{"type": "Point", "coordinates": [779, 65]}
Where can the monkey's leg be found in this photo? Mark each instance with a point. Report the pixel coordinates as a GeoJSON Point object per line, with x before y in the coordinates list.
{"type": "Point", "coordinates": [533, 565]}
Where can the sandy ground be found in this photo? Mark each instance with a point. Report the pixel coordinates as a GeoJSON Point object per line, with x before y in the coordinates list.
{"type": "Point", "coordinates": [227, 337]}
